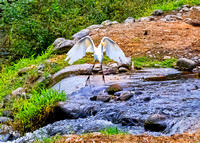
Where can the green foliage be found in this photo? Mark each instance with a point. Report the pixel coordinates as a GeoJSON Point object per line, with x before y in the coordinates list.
{"type": "Point", "coordinates": [112, 131]}
{"type": "Point", "coordinates": [53, 139]}
{"type": "Point", "coordinates": [149, 62]}
{"type": "Point", "coordinates": [34, 25]}
{"type": "Point", "coordinates": [9, 79]}
{"type": "Point", "coordinates": [32, 113]}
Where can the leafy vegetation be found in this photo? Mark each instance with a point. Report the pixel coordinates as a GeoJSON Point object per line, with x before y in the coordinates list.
{"type": "Point", "coordinates": [32, 26]}
{"type": "Point", "coordinates": [32, 113]}
{"type": "Point", "coordinates": [112, 131]}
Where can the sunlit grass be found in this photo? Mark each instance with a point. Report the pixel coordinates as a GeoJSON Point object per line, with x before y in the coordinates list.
{"type": "Point", "coordinates": [112, 131]}
{"type": "Point", "coordinates": [32, 114]}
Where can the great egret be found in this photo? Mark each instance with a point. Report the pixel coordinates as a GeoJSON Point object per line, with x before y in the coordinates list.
{"type": "Point", "coordinates": [86, 44]}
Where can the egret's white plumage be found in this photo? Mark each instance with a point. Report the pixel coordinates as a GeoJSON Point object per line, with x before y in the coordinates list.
{"type": "Point", "coordinates": [86, 44]}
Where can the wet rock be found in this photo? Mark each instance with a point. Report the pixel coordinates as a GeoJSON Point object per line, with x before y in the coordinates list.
{"type": "Point", "coordinates": [125, 96]}
{"type": "Point", "coordinates": [109, 71]}
{"type": "Point", "coordinates": [155, 122]}
{"type": "Point", "coordinates": [129, 121]}
{"type": "Point", "coordinates": [23, 71]}
{"type": "Point", "coordinates": [103, 98]}
{"type": "Point", "coordinates": [123, 69]}
{"type": "Point", "coordinates": [129, 20]}
{"type": "Point", "coordinates": [5, 119]}
{"type": "Point", "coordinates": [77, 126]}
{"type": "Point", "coordinates": [185, 64]}
{"type": "Point", "coordinates": [148, 18]}
{"type": "Point", "coordinates": [157, 12]}
{"type": "Point", "coordinates": [58, 40]}
{"type": "Point", "coordinates": [92, 27]}
{"type": "Point", "coordinates": [81, 34]}
{"type": "Point", "coordinates": [83, 69]}
{"type": "Point", "coordinates": [65, 110]}
{"type": "Point", "coordinates": [19, 92]}
{"type": "Point", "coordinates": [195, 15]}
{"type": "Point", "coordinates": [4, 137]}
{"type": "Point", "coordinates": [63, 46]}
{"type": "Point", "coordinates": [41, 67]}
{"type": "Point", "coordinates": [114, 88]}
{"type": "Point", "coordinates": [120, 93]}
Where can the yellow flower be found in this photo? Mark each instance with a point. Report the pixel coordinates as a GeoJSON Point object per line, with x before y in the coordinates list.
{"type": "Point", "coordinates": [47, 9]}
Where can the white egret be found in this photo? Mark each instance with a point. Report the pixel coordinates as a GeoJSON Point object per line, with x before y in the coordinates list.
{"type": "Point", "coordinates": [86, 44]}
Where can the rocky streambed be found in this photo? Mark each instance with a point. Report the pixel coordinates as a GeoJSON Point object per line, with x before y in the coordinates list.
{"type": "Point", "coordinates": [160, 101]}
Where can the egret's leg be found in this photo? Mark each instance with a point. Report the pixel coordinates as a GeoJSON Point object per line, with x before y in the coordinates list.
{"type": "Point", "coordinates": [88, 78]}
{"type": "Point", "coordinates": [102, 74]}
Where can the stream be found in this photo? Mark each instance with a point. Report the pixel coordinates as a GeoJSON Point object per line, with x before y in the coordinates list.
{"type": "Point", "coordinates": [164, 91]}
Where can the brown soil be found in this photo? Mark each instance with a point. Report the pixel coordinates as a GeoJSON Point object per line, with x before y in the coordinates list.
{"type": "Point", "coordinates": [92, 138]}
{"type": "Point", "coordinates": [156, 38]}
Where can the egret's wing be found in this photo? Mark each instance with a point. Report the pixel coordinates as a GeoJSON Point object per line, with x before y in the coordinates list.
{"type": "Point", "coordinates": [113, 51]}
{"type": "Point", "coordinates": [79, 49]}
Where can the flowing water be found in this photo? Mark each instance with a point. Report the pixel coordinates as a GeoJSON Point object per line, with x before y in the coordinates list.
{"type": "Point", "coordinates": [155, 91]}
{"type": "Point", "coordinates": [168, 92]}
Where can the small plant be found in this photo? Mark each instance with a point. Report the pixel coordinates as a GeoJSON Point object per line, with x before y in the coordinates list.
{"type": "Point", "coordinates": [141, 62]}
{"type": "Point", "coordinates": [112, 131]}
{"type": "Point", "coordinates": [32, 114]}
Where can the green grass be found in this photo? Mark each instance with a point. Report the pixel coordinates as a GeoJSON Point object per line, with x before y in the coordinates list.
{"type": "Point", "coordinates": [112, 131]}
{"type": "Point", "coordinates": [32, 114]}
{"type": "Point", "coordinates": [141, 62]}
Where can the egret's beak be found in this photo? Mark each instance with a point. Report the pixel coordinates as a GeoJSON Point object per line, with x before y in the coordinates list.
{"type": "Point", "coordinates": [102, 43]}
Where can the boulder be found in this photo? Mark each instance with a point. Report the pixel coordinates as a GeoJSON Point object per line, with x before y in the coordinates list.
{"type": "Point", "coordinates": [83, 69]}
{"type": "Point", "coordinates": [195, 15]}
{"type": "Point", "coordinates": [92, 27]}
{"type": "Point", "coordinates": [81, 34]}
{"type": "Point", "coordinates": [171, 18]}
{"type": "Point", "coordinates": [125, 96]}
{"type": "Point", "coordinates": [19, 92]}
{"type": "Point", "coordinates": [157, 13]}
{"type": "Point", "coordinates": [106, 22]}
{"type": "Point", "coordinates": [129, 20]}
{"type": "Point", "coordinates": [148, 18]}
{"type": "Point", "coordinates": [58, 40]}
{"type": "Point", "coordinates": [114, 88]}
{"type": "Point", "coordinates": [23, 71]}
{"type": "Point", "coordinates": [103, 98]}
{"type": "Point", "coordinates": [185, 64]}
{"type": "Point", "coordinates": [155, 122]}
{"type": "Point", "coordinates": [63, 46]}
